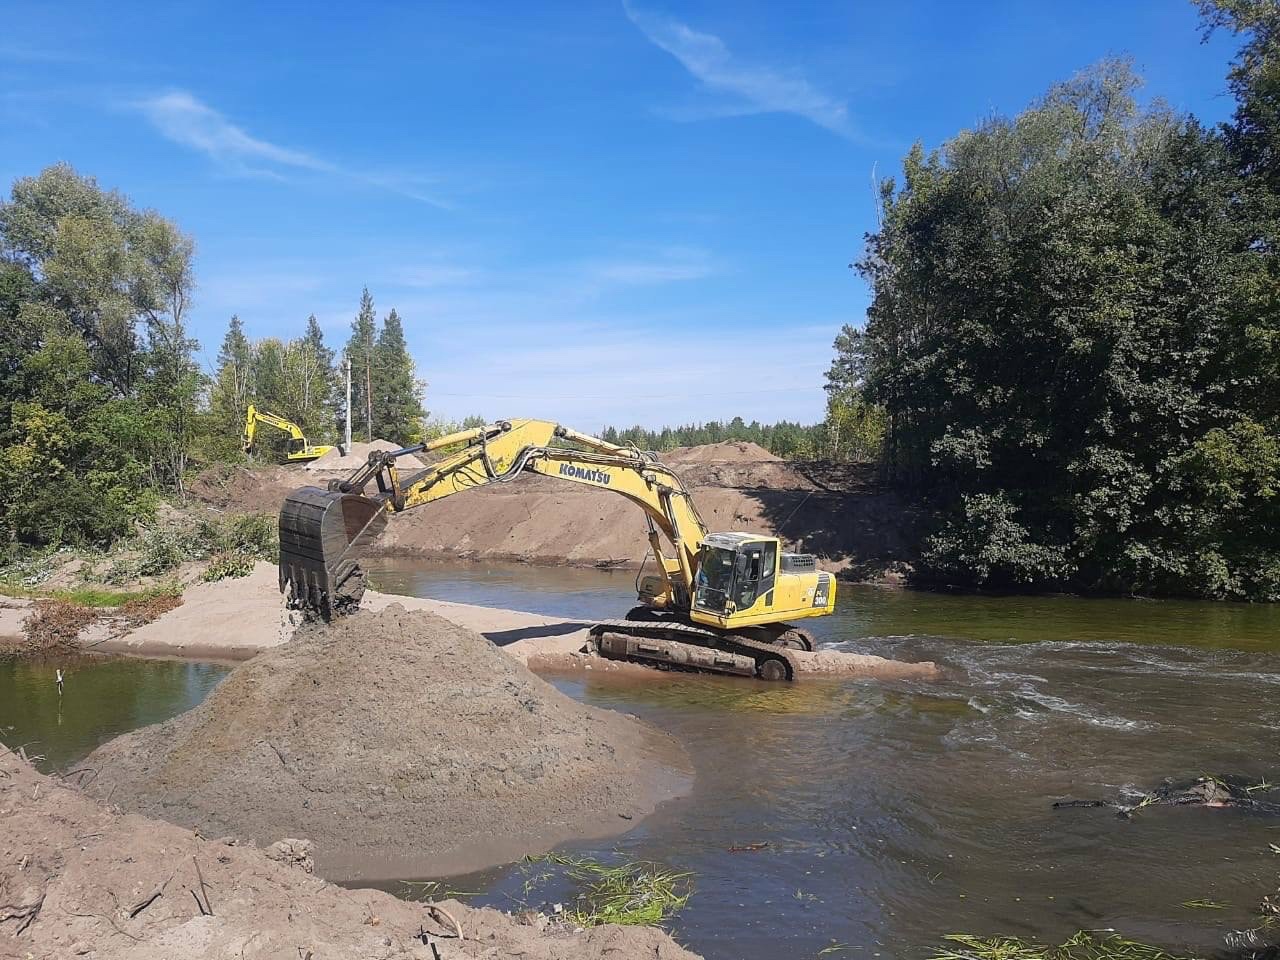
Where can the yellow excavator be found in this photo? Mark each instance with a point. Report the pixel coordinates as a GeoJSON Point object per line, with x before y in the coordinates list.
{"type": "Point", "coordinates": [298, 449]}
{"type": "Point", "coordinates": [719, 602]}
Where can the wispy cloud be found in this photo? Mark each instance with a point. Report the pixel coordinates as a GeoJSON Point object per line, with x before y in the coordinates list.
{"type": "Point", "coordinates": [671, 266]}
{"type": "Point", "coordinates": [184, 119]}
{"type": "Point", "coordinates": [757, 88]}
{"type": "Point", "coordinates": [187, 121]}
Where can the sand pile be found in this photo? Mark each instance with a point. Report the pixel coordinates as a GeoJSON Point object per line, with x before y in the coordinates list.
{"type": "Point", "coordinates": [357, 456]}
{"type": "Point", "coordinates": [727, 451]}
{"type": "Point", "coordinates": [402, 744]}
{"type": "Point", "coordinates": [78, 879]}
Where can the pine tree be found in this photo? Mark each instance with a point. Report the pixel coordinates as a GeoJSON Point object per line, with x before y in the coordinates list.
{"type": "Point", "coordinates": [233, 382]}
{"type": "Point", "coordinates": [360, 350]}
{"type": "Point", "coordinates": [312, 379]}
{"type": "Point", "coordinates": [397, 407]}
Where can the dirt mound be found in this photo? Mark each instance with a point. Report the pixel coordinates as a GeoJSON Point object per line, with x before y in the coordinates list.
{"type": "Point", "coordinates": [357, 455]}
{"type": "Point", "coordinates": [838, 511]}
{"type": "Point", "coordinates": [240, 489]}
{"type": "Point", "coordinates": [402, 744]}
{"type": "Point", "coordinates": [78, 879]}
{"type": "Point", "coordinates": [727, 451]}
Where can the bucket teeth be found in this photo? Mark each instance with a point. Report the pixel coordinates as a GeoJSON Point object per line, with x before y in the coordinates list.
{"type": "Point", "coordinates": [322, 535]}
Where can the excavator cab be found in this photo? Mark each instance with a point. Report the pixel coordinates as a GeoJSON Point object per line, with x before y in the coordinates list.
{"type": "Point", "coordinates": [745, 579]}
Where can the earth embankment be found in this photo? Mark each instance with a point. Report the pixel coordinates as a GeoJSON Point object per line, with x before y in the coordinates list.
{"type": "Point", "coordinates": [402, 744]}
{"type": "Point", "coordinates": [79, 879]}
{"type": "Point", "coordinates": [859, 528]}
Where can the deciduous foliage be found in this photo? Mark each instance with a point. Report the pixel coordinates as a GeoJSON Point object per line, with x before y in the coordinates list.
{"type": "Point", "coordinates": [1069, 333]}
{"type": "Point", "coordinates": [98, 389]}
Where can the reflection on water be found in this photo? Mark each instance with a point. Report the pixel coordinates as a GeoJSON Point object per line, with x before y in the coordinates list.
{"type": "Point", "coordinates": [103, 697]}
{"type": "Point", "coordinates": [897, 813]}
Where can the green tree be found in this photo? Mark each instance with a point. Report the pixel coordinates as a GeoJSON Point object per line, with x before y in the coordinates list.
{"type": "Point", "coordinates": [232, 389]}
{"type": "Point", "coordinates": [315, 381]}
{"type": "Point", "coordinates": [1055, 330]}
{"type": "Point", "coordinates": [396, 391]}
{"type": "Point", "coordinates": [359, 353]}
{"type": "Point", "coordinates": [98, 386]}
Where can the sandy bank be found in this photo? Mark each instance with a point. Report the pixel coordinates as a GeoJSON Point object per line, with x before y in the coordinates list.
{"type": "Point", "coordinates": [235, 619]}
{"type": "Point", "coordinates": [77, 878]}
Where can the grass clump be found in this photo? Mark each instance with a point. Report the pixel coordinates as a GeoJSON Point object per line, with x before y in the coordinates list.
{"type": "Point", "coordinates": [1082, 946]}
{"type": "Point", "coordinates": [91, 595]}
{"type": "Point", "coordinates": [632, 893]}
{"type": "Point", "coordinates": [226, 565]}
{"type": "Point", "coordinates": [231, 542]}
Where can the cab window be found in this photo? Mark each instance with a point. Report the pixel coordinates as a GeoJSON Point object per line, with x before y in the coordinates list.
{"type": "Point", "coordinates": [747, 579]}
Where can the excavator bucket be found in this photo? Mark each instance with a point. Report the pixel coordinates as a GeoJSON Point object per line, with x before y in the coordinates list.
{"type": "Point", "coordinates": [322, 535]}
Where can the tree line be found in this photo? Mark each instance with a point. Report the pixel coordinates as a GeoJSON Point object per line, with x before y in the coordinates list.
{"type": "Point", "coordinates": [104, 407]}
{"type": "Point", "coordinates": [304, 381]}
{"type": "Point", "coordinates": [1074, 336]}
{"type": "Point", "coordinates": [846, 435]}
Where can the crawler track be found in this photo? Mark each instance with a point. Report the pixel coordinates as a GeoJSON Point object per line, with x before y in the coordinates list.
{"type": "Point", "coordinates": [685, 646]}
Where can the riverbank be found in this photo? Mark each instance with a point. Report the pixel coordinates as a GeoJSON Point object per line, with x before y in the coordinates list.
{"type": "Point", "coordinates": [80, 879]}
{"type": "Point", "coordinates": [234, 619]}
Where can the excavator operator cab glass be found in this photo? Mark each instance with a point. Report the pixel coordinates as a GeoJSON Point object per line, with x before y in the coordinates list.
{"type": "Point", "coordinates": [737, 576]}
{"type": "Point", "coordinates": [753, 574]}
{"type": "Point", "coordinates": [715, 578]}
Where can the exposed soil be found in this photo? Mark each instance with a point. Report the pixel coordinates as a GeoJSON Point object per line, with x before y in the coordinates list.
{"type": "Point", "coordinates": [858, 528]}
{"type": "Point", "coordinates": [79, 879]}
{"type": "Point", "coordinates": [357, 456]}
{"type": "Point", "coordinates": [402, 744]}
{"type": "Point", "coordinates": [239, 489]}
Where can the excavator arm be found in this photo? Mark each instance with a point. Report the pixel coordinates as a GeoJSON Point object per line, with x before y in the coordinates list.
{"type": "Point", "coordinates": [323, 532]}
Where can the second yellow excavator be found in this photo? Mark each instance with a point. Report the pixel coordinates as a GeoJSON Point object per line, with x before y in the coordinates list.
{"type": "Point", "coordinates": [719, 602]}
{"type": "Point", "coordinates": [298, 449]}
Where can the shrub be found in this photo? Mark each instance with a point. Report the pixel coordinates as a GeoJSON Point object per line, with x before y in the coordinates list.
{"type": "Point", "coordinates": [232, 564]}
{"type": "Point", "coordinates": [56, 623]}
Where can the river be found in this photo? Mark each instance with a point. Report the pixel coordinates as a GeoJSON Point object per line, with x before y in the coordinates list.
{"type": "Point", "coordinates": [889, 814]}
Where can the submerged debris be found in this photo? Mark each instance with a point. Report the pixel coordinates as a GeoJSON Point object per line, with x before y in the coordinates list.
{"type": "Point", "coordinates": [1217, 792]}
{"type": "Point", "coordinates": [1085, 945]}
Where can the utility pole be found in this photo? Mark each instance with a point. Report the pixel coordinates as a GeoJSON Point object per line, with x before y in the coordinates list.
{"type": "Point", "coordinates": [347, 448]}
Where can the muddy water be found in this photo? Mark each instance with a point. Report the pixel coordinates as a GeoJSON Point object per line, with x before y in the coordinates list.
{"type": "Point", "coordinates": [897, 813]}
{"type": "Point", "coordinates": [102, 698]}
{"type": "Point", "coordinates": [893, 813]}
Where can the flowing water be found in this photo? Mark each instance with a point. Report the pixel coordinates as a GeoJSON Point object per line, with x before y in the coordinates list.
{"type": "Point", "coordinates": [891, 814]}
{"type": "Point", "coordinates": [897, 813]}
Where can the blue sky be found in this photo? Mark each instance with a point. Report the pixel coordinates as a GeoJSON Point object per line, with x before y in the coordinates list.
{"type": "Point", "coordinates": [593, 212]}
